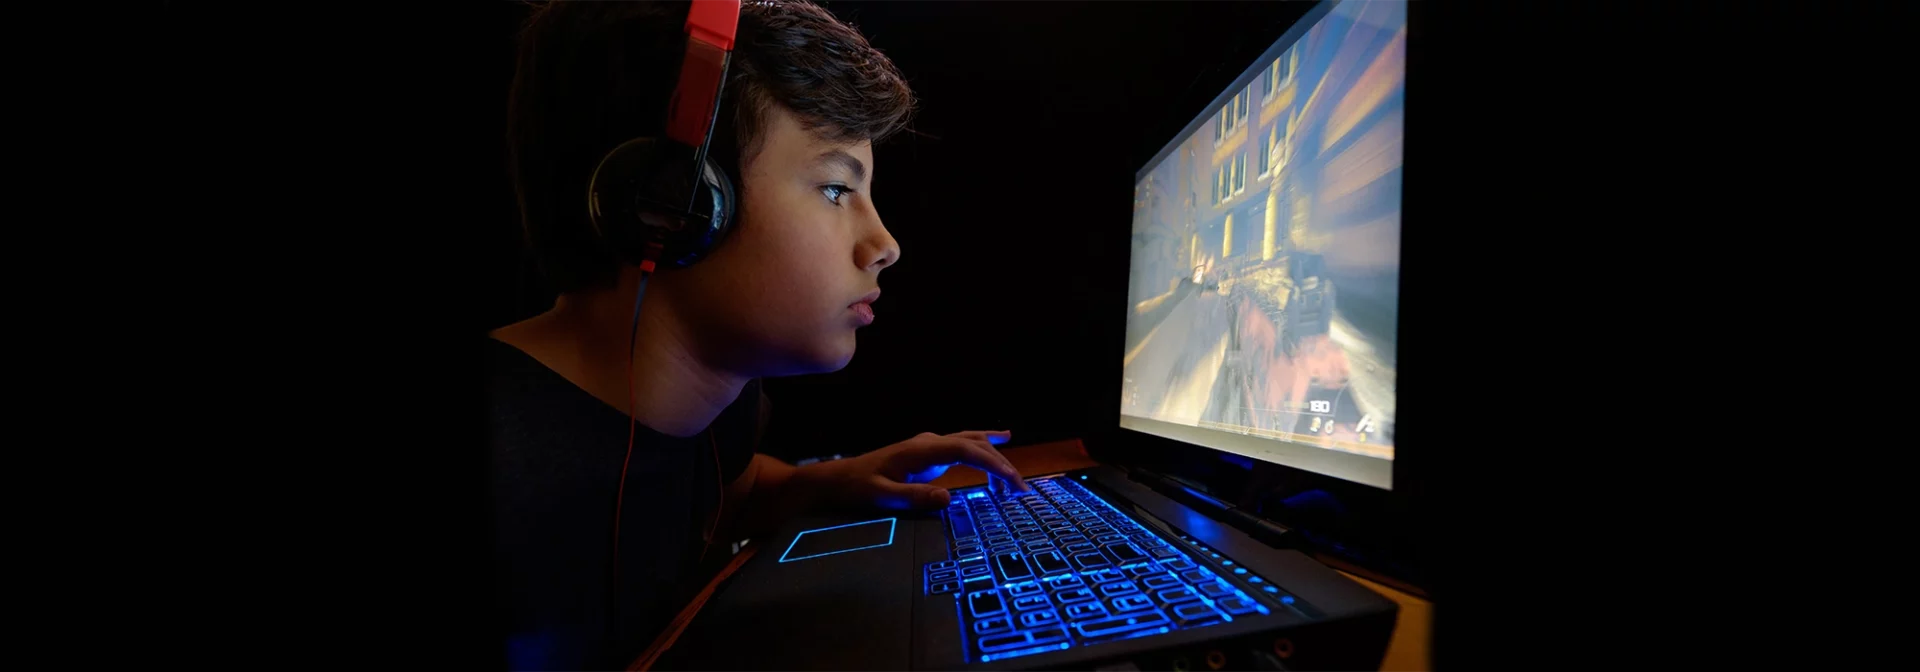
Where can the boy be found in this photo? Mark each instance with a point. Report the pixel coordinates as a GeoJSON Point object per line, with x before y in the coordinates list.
{"type": "Point", "coordinates": [805, 99]}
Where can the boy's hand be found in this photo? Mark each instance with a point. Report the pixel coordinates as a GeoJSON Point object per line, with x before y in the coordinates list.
{"type": "Point", "coordinates": [895, 477]}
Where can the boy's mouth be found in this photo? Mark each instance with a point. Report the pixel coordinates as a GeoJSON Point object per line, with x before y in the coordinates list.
{"type": "Point", "coordinates": [863, 308]}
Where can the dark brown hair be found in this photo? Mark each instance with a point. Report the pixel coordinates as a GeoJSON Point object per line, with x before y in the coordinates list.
{"type": "Point", "coordinates": [594, 74]}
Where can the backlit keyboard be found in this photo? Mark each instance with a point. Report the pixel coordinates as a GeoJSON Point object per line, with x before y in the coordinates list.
{"type": "Point", "coordinates": [1059, 567]}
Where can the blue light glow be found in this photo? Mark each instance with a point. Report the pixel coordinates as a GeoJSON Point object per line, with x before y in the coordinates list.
{"type": "Point", "coordinates": [988, 658]}
{"type": "Point", "coordinates": [1143, 633]}
{"type": "Point", "coordinates": [1271, 589]}
{"type": "Point", "coordinates": [1286, 600]}
{"type": "Point", "coordinates": [960, 616]}
{"type": "Point", "coordinates": [892, 524]}
{"type": "Point", "coordinates": [1144, 620]}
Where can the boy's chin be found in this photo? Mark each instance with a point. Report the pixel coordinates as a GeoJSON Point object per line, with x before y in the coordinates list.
{"type": "Point", "coordinates": [827, 356]}
{"type": "Point", "coordinates": [841, 356]}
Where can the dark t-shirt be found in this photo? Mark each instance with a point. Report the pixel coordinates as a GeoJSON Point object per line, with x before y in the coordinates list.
{"type": "Point", "coordinates": [556, 454]}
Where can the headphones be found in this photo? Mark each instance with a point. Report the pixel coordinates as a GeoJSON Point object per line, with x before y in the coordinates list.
{"type": "Point", "coordinates": [660, 199]}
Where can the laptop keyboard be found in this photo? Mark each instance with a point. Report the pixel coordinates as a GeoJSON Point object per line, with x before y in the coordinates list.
{"type": "Point", "coordinates": [1059, 567]}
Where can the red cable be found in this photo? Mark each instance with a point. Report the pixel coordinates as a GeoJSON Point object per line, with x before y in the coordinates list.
{"type": "Point", "coordinates": [633, 423]}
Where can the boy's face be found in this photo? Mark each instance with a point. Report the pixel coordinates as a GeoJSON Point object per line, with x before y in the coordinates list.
{"type": "Point", "coordinates": [778, 296]}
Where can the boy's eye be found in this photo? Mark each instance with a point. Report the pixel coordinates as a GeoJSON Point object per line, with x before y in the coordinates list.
{"type": "Point", "coordinates": [833, 192]}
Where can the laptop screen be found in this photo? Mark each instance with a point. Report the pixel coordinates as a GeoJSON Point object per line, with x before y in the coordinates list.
{"type": "Point", "coordinates": [1263, 290]}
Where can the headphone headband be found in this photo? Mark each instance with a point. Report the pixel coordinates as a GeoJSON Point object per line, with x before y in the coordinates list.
{"type": "Point", "coordinates": [711, 26]}
{"type": "Point", "coordinates": [660, 197]}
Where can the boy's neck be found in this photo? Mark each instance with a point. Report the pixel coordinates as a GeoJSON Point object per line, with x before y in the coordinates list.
{"type": "Point", "coordinates": [584, 338]}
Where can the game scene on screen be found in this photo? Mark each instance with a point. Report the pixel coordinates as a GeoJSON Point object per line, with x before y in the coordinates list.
{"type": "Point", "coordinates": [1266, 249]}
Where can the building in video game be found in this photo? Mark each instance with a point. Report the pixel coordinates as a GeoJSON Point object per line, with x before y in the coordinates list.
{"type": "Point", "coordinates": [1301, 227]}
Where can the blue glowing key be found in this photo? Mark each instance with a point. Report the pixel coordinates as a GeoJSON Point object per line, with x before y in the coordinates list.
{"type": "Point", "coordinates": [1115, 626]}
{"type": "Point", "coordinates": [1214, 589]}
{"type": "Point", "coordinates": [1126, 603]}
{"type": "Point", "coordinates": [1074, 595]}
{"type": "Point", "coordinates": [1237, 605]}
{"type": "Point", "coordinates": [986, 603]}
{"type": "Point", "coordinates": [1035, 619]}
{"type": "Point", "coordinates": [1270, 589]}
{"type": "Point", "coordinates": [1059, 583]}
{"type": "Point", "coordinates": [995, 624]}
{"type": "Point", "coordinates": [1125, 553]}
{"type": "Point", "coordinates": [1172, 595]}
{"type": "Point", "coordinates": [1090, 560]}
{"type": "Point", "coordinates": [1050, 562]}
{"type": "Point", "coordinates": [1197, 613]}
{"type": "Point", "coordinates": [1022, 640]}
{"type": "Point", "coordinates": [1086, 610]}
{"type": "Point", "coordinates": [1013, 567]}
{"type": "Point", "coordinates": [1159, 582]}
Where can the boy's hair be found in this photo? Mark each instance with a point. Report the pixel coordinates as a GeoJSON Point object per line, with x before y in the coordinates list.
{"type": "Point", "coordinates": [592, 75]}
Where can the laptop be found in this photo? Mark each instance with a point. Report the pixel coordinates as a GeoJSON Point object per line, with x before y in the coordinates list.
{"type": "Point", "coordinates": [1261, 331]}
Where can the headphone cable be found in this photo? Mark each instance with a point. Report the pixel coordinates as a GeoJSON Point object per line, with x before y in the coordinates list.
{"type": "Point", "coordinates": [633, 424]}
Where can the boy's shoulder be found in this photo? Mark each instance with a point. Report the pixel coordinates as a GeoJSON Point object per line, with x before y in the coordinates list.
{"type": "Point", "coordinates": [516, 381]}
{"type": "Point", "coordinates": [525, 397]}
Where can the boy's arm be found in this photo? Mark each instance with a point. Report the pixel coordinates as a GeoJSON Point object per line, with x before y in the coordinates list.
{"type": "Point", "coordinates": [769, 491]}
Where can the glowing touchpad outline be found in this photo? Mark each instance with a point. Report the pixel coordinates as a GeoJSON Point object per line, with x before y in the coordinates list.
{"type": "Point", "coordinates": [892, 525]}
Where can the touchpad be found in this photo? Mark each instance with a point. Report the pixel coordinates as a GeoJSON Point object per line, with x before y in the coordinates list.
{"type": "Point", "coordinates": [840, 539]}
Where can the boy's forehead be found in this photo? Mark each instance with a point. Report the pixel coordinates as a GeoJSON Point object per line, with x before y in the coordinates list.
{"type": "Point", "coordinates": [788, 143]}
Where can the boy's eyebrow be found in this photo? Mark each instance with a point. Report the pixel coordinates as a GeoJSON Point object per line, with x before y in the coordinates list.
{"type": "Point", "coordinates": [858, 169]}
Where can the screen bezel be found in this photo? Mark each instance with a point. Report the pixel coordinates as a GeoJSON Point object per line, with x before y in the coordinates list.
{"type": "Point", "coordinates": [1370, 530]}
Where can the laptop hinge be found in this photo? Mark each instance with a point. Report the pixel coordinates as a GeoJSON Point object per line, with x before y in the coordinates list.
{"type": "Point", "coordinates": [1194, 496]}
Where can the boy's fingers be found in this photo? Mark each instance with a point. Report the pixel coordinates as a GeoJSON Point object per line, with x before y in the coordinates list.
{"type": "Point", "coordinates": [992, 437]}
{"type": "Point", "coordinates": [899, 496]}
{"type": "Point", "coordinates": [948, 450]}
